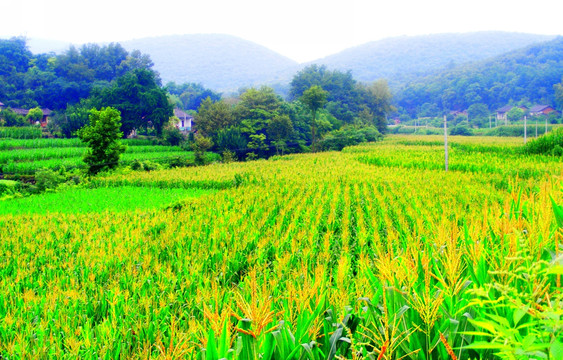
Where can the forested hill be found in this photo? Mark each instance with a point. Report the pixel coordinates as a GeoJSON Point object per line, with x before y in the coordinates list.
{"type": "Point", "coordinates": [220, 62]}
{"type": "Point", "coordinates": [526, 74]}
{"type": "Point", "coordinates": [399, 59]}
{"type": "Point", "coordinates": [224, 62]}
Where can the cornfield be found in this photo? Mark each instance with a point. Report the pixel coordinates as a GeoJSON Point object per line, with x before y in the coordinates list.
{"type": "Point", "coordinates": [353, 255]}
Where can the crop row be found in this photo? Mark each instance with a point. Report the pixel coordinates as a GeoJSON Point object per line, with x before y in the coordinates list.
{"type": "Point", "coordinates": [12, 144]}
{"type": "Point", "coordinates": [29, 167]}
{"type": "Point", "coordinates": [73, 152]}
{"type": "Point", "coordinates": [318, 257]}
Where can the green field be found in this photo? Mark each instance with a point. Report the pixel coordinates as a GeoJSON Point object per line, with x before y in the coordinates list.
{"type": "Point", "coordinates": [97, 200]}
{"type": "Point", "coordinates": [27, 156]}
{"type": "Point", "coordinates": [374, 252]}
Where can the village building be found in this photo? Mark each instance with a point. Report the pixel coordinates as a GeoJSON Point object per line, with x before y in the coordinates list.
{"type": "Point", "coordinates": [539, 110]}
{"type": "Point", "coordinates": [501, 113]}
{"type": "Point", "coordinates": [185, 121]}
{"type": "Point", "coordinates": [23, 112]}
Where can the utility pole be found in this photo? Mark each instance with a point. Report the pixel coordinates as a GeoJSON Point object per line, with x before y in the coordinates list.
{"type": "Point", "coordinates": [536, 127]}
{"type": "Point", "coordinates": [525, 129]}
{"type": "Point", "coordinates": [545, 126]}
{"type": "Point", "coordinates": [490, 122]}
{"type": "Point", "coordinates": [446, 141]}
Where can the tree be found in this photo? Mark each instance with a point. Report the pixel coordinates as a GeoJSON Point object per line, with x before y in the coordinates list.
{"type": "Point", "coordinates": [102, 136]}
{"type": "Point", "coordinates": [378, 97]}
{"type": "Point", "coordinates": [279, 128]}
{"type": "Point", "coordinates": [343, 97]}
{"type": "Point", "coordinates": [515, 114]}
{"type": "Point", "coordinates": [559, 94]}
{"type": "Point", "coordinates": [35, 115]}
{"type": "Point", "coordinates": [314, 98]}
{"type": "Point", "coordinates": [140, 100]}
{"type": "Point", "coordinates": [200, 146]}
{"type": "Point", "coordinates": [212, 116]}
{"type": "Point", "coordinates": [478, 114]}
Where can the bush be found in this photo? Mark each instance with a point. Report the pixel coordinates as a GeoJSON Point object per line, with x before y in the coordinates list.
{"type": "Point", "coordinates": [48, 179]}
{"type": "Point", "coordinates": [348, 136]}
{"type": "Point", "coordinates": [548, 144]}
{"type": "Point", "coordinates": [461, 130]}
{"type": "Point", "coordinates": [7, 187]}
{"type": "Point", "coordinates": [172, 135]}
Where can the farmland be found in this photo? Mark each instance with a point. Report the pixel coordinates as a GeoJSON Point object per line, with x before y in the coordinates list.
{"type": "Point", "coordinates": [373, 252]}
{"type": "Point", "coordinates": [26, 156]}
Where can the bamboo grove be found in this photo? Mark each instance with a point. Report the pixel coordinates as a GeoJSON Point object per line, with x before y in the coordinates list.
{"type": "Point", "coordinates": [350, 255]}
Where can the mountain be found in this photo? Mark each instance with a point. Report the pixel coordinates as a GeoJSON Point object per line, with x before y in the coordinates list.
{"type": "Point", "coordinates": [41, 46]}
{"type": "Point", "coordinates": [526, 75]}
{"type": "Point", "coordinates": [226, 63]}
{"type": "Point", "coordinates": [219, 62]}
{"type": "Point", "coordinates": [399, 59]}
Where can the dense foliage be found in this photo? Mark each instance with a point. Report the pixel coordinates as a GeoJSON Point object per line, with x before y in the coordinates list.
{"type": "Point", "coordinates": [261, 124]}
{"type": "Point", "coordinates": [549, 144]}
{"type": "Point", "coordinates": [526, 75]}
{"type": "Point", "coordinates": [102, 135]}
{"type": "Point", "coordinates": [53, 81]}
{"type": "Point", "coordinates": [348, 100]}
{"type": "Point", "coordinates": [371, 253]}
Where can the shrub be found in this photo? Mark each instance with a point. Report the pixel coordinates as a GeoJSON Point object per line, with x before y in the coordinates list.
{"type": "Point", "coordinates": [348, 136]}
{"type": "Point", "coordinates": [102, 136]}
{"type": "Point", "coordinates": [548, 144]}
{"type": "Point", "coordinates": [48, 179]}
{"type": "Point", "coordinates": [461, 130]}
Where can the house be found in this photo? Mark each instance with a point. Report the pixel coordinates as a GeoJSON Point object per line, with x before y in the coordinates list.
{"type": "Point", "coordinates": [44, 120]}
{"type": "Point", "coordinates": [456, 113]}
{"type": "Point", "coordinates": [501, 113]}
{"type": "Point", "coordinates": [23, 112]}
{"type": "Point", "coordinates": [185, 121]}
{"type": "Point", "coordinates": [539, 110]}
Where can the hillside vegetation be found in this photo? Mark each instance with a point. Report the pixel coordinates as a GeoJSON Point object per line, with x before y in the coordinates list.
{"type": "Point", "coordinates": [220, 62]}
{"type": "Point", "coordinates": [399, 59]}
{"type": "Point", "coordinates": [527, 74]}
{"type": "Point", "coordinates": [224, 62]}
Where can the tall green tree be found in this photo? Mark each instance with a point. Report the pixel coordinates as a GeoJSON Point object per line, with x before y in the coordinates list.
{"type": "Point", "coordinates": [315, 99]}
{"type": "Point", "coordinates": [279, 129]}
{"type": "Point", "coordinates": [515, 114]}
{"type": "Point", "coordinates": [212, 116]}
{"type": "Point", "coordinates": [343, 99]}
{"type": "Point", "coordinates": [140, 99]}
{"type": "Point", "coordinates": [34, 115]}
{"type": "Point", "coordinates": [102, 135]}
{"type": "Point", "coordinates": [559, 94]}
{"type": "Point", "coordinates": [378, 98]}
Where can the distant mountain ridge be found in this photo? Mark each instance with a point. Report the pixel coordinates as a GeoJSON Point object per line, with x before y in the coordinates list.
{"type": "Point", "coordinates": [220, 62]}
{"type": "Point", "coordinates": [398, 59]}
{"type": "Point", "coordinates": [226, 63]}
{"type": "Point", "coordinates": [527, 74]}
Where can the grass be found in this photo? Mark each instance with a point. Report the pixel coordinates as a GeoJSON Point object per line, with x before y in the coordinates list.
{"type": "Point", "coordinates": [113, 199]}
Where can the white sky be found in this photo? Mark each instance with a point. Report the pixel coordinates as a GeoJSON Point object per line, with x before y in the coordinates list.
{"type": "Point", "coordinates": [300, 29]}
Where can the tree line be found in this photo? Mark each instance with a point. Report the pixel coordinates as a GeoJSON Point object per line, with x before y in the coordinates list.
{"type": "Point", "coordinates": [254, 122]}
{"type": "Point", "coordinates": [525, 76]}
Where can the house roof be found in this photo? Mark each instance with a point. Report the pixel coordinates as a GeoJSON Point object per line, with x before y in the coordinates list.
{"type": "Point", "coordinates": [538, 108]}
{"type": "Point", "coordinates": [46, 111]}
{"type": "Point", "coordinates": [505, 109]}
{"type": "Point", "coordinates": [20, 111]}
{"type": "Point", "coordinates": [181, 114]}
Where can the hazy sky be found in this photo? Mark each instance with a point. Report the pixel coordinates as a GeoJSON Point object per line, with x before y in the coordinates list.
{"type": "Point", "coordinates": [300, 29]}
